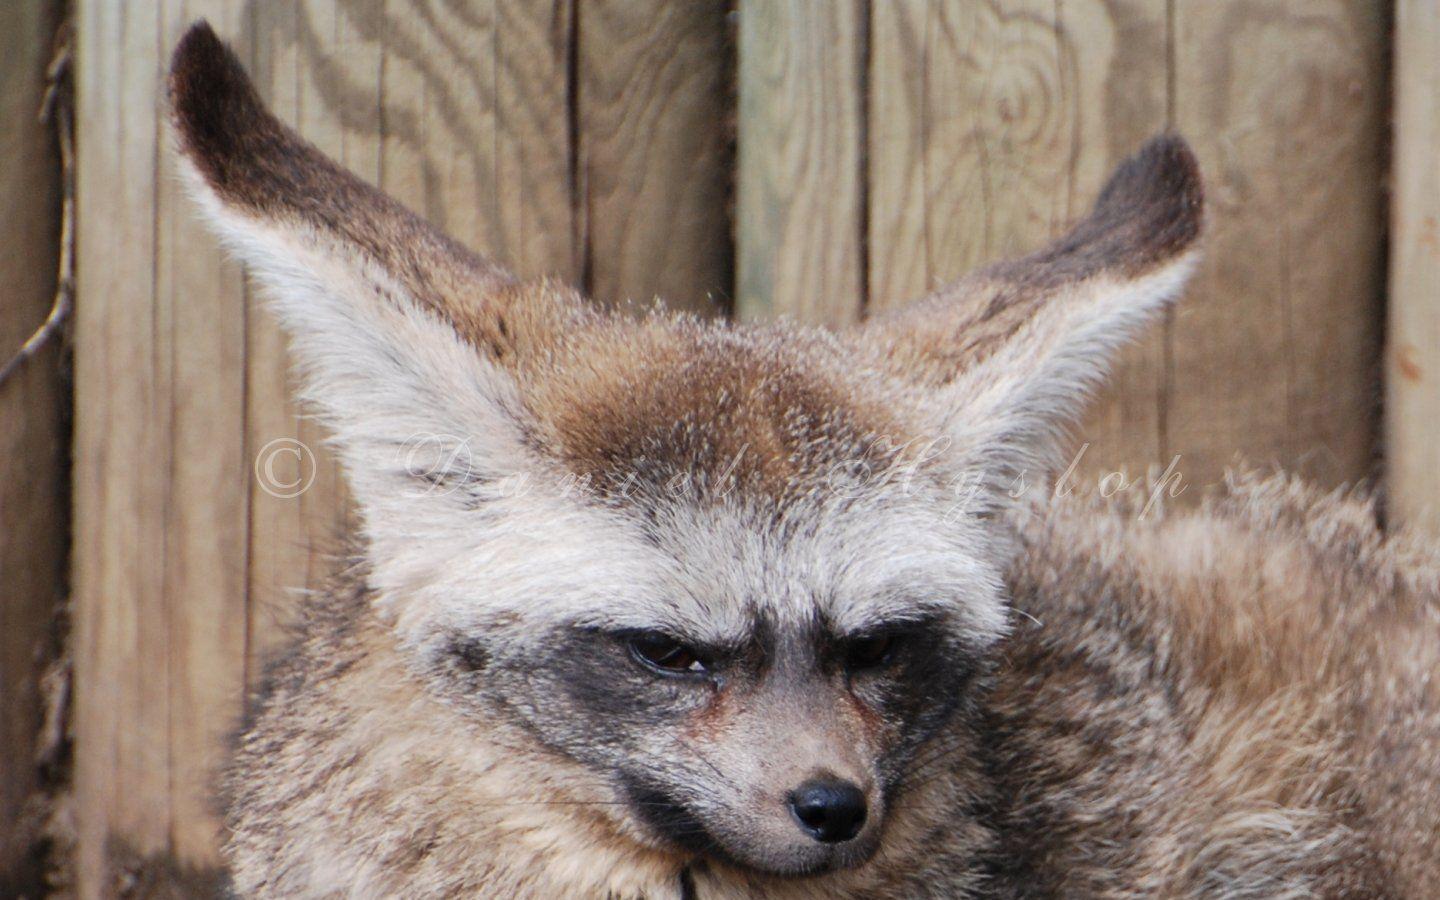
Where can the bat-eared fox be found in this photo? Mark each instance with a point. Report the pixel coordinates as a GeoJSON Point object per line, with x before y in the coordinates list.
{"type": "Point", "coordinates": [651, 606]}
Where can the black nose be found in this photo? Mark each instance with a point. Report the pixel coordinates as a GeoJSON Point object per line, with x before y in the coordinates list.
{"type": "Point", "coordinates": [829, 810]}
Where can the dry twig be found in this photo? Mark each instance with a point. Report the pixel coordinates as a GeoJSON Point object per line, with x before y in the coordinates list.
{"type": "Point", "coordinates": [56, 109]}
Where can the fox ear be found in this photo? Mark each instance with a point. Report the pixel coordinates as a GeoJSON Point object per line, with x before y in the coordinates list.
{"type": "Point", "coordinates": [406, 341]}
{"type": "Point", "coordinates": [1011, 352]}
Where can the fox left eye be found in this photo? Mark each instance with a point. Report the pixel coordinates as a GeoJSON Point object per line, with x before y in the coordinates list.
{"type": "Point", "coordinates": [660, 651]}
{"type": "Point", "coordinates": [870, 652]}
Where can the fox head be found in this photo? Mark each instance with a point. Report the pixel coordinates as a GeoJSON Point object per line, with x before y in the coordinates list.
{"type": "Point", "coordinates": [744, 576]}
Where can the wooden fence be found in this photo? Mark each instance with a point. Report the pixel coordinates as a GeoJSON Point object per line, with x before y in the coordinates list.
{"type": "Point", "coordinates": [817, 159]}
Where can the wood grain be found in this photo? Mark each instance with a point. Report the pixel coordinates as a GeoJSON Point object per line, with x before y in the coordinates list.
{"type": "Point", "coordinates": [992, 127]}
{"type": "Point", "coordinates": [1412, 361]}
{"type": "Point", "coordinates": [800, 249]}
{"type": "Point", "coordinates": [32, 455]}
{"type": "Point", "coordinates": [198, 302]}
{"type": "Point", "coordinates": [160, 477]}
{"type": "Point", "coordinates": [654, 158]}
{"type": "Point", "coordinates": [1275, 351]}
{"type": "Point", "coordinates": [120, 723]}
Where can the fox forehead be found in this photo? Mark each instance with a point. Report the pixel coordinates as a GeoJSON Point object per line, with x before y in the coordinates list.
{"type": "Point", "coordinates": [705, 567]}
{"type": "Point", "coordinates": [712, 476]}
{"type": "Point", "coordinates": [740, 474]}
{"type": "Point", "coordinates": [637, 409]}
{"type": "Point", "coordinates": [852, 562]}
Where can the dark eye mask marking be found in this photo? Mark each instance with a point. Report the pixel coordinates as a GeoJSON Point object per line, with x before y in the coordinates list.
{"type": "Point", "coordinates": [668, 817]}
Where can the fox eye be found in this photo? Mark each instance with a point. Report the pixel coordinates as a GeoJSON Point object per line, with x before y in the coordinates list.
{"type": "Point", "coordinates": [870, 652]}
{"type": "Point", "coordinates": [664, 653]}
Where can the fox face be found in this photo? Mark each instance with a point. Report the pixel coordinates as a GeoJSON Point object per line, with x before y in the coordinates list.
{"type": "Point", "coordinates": [736, 717]}
{"type": "Point", "coordinates": [747, 626]}
{"type": "Point", "coordinates": [751, 685]}
{"type": "Point", "coordinates": [736, 582]}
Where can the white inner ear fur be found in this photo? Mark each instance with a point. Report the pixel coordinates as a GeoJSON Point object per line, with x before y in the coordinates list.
{"type": "Point", "coordinates": [1007, 415]}
{"type": "Point", "coordinates": [400, 391]}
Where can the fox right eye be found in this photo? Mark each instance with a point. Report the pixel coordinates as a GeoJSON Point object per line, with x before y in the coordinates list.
{"type": "Point", "coordinates": [659, 651]}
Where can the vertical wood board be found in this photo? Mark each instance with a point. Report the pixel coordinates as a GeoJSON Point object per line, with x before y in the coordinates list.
{"type": "Point", "coordinates": [1412, 361]}
{"type": "Point", "coordinates": [1275, 352]}
{"type": "Point", "coordinates": [800, 250]}
{"type": "Point", "coordinates": [32, 400]}
{"type": "Point", "coordinates": [654, 152]}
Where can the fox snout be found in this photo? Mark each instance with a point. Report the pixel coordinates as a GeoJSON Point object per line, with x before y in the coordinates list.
{"type": "Point", "coordinates": [782, 778]}
{"type": "Point", "coordinates": [824, 771]}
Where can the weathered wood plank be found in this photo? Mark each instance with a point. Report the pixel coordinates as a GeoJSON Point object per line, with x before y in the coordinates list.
{"type": "Point", "coordinates": [1275, 351]}
{"type": "Point", "coordinates": [653, 147]}
{"type": "Point", "coordinates": [800, 249]}
{"type": "Point", "coordinates": [199, 305]}
{"type": "Point", "coordinates": [440, 119]}
{"type": "Point", "coordinates": [534, 156]}
{"type": "Point", "coordinates": [1412, 363]}
{"type": "Point", "coordinates": [474, 117]}
{"type": "Point", "coordinates": [32, 455]}
{"type": "Point", "coordinates": [121, 721]}
{"type": "Point", "coordinates": [160, 498]}
{"type": "Point", "coordinates": [992, 126]}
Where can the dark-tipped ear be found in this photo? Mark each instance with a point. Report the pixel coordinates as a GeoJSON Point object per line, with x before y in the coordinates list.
{"type": "Point", "coordinates": [256, 166]}
{"type": "Point", "coordinates": [401, 334]}
{"type": "Point", "coordinates": [1012, 351]}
